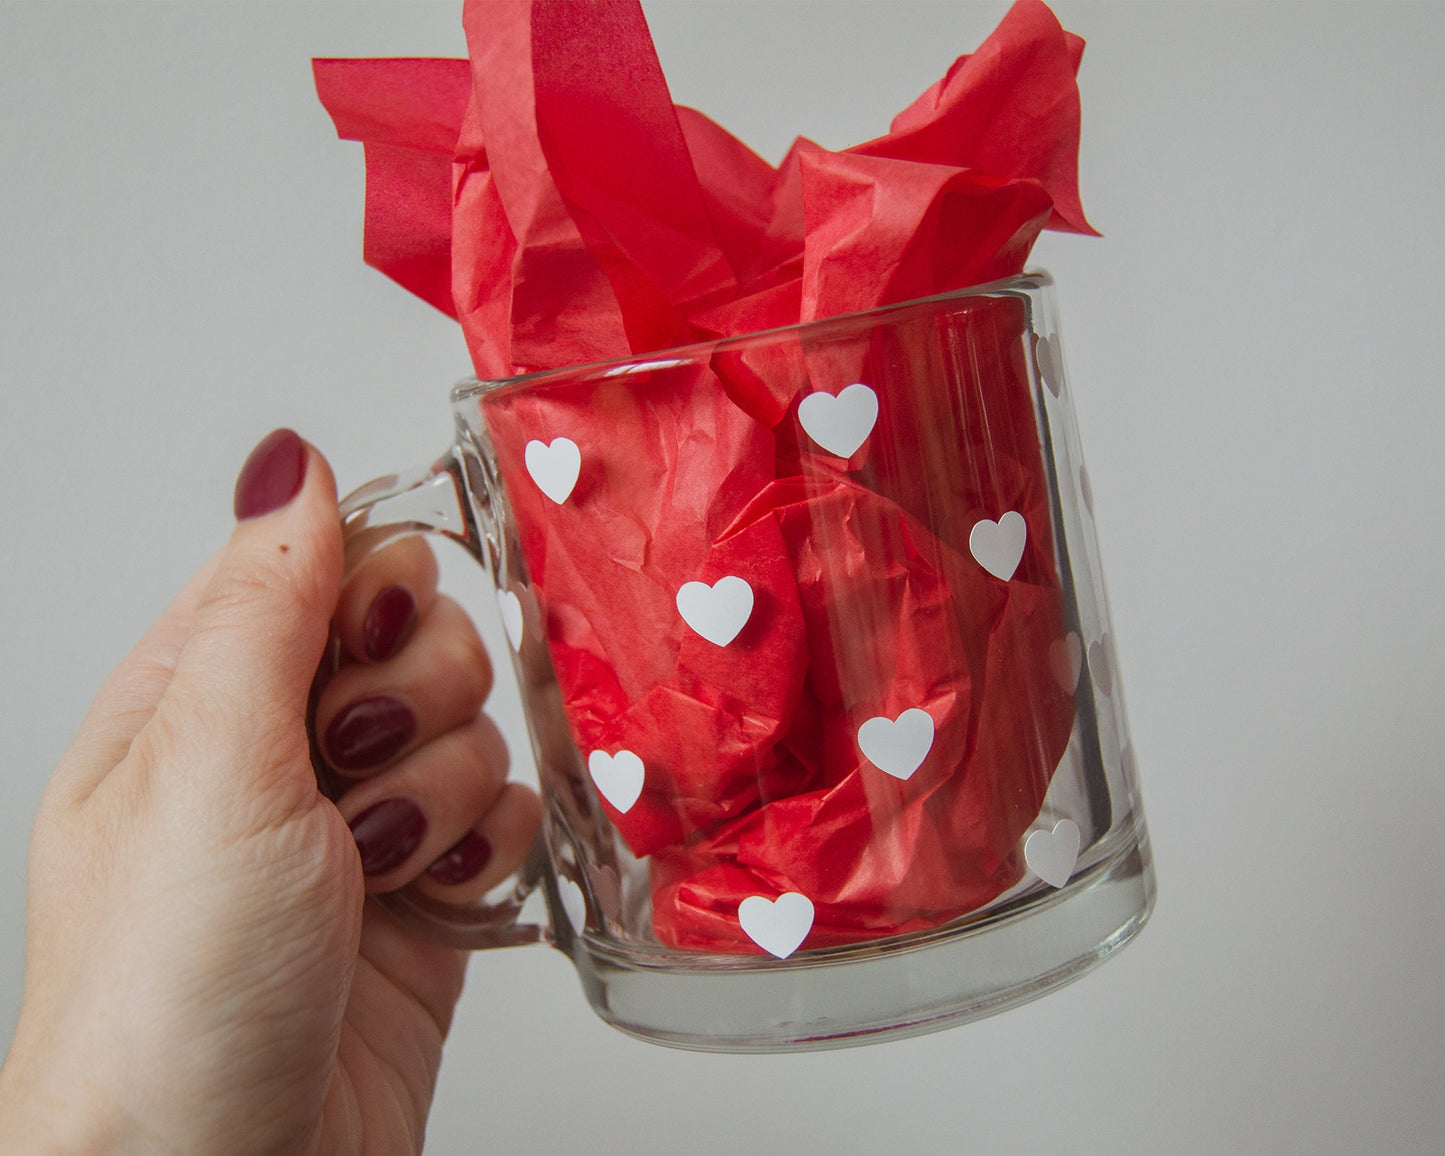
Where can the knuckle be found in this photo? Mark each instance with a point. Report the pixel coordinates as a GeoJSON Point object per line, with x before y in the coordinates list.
{"type": "Point", "coordinates": [409, 559]}
{"type": "Point", "coordinates": [263, 580]}
{"type": "Point", "coordinates": [179, 723]}
{"type": "Point", "coordinates": [479, 670]}
{"type": "Point", "coordinates": [239, 589]}
{"type": "Point", "coordinates": [484, 763]}
{"type": "Point", "coordinates": [492, 745]}
{"type": "Point", "coordinates": [469, 665]}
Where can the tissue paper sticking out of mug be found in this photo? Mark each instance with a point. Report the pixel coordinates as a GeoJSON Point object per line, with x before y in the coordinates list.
{"type": "Point", "coordinates": [577, 214]}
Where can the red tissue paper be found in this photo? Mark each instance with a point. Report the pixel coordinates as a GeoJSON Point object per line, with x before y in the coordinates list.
{"type": "Point", "coordinates": [549, 195]}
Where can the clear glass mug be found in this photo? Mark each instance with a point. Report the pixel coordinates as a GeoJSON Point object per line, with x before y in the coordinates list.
{"type": "Point", "coordinates": [813, 645]}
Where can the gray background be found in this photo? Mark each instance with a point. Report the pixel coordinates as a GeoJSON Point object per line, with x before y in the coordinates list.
{"type": "Point", "coordinates": [1255, 348]}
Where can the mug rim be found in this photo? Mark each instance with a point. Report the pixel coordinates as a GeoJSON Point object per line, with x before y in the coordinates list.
{"type": "Point", "coordinates": [472, 387]}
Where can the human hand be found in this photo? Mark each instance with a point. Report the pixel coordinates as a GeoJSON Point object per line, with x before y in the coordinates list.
{"type": "Point", "coordinates": [202, 972]}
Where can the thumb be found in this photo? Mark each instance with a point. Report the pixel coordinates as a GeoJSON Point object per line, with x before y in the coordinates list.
{"type": "Point", "coordinates": [244, 673]}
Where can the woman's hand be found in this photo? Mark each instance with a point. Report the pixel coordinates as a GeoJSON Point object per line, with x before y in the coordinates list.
{"type": "Point", "coordinates": [202, 974]}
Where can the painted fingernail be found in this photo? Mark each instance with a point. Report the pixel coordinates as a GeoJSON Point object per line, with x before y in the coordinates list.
{"type": "Point", "coordinates": [272, 475]}
{"type": "Point", "coordinates": [386, 834]}
{"type": "Point", "coordinates": [462, 861]}
{"type": "Point", "coordinates": [368, 732]}
{"type": "Point", "coordinates": [388, 623]}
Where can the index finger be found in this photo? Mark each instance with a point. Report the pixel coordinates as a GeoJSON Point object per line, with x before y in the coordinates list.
{"type": "Point", "coordinates": [383, 600]}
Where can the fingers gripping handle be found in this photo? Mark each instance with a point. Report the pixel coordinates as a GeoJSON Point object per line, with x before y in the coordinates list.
{"type": "Point", "coordinates": [433, 500]}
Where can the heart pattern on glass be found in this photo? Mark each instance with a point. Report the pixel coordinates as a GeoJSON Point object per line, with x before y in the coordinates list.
{"type": "Point", "coordinates": [897, 746]}
{"type": "Point", "coordinates": [1051, 855]}
{"type": "Point", "coordinates": [511, 607]}
{"type": "Point", "coordinates": [619, 777]}
{"type": "Point", "coordinates": [778, 926]}
{"type": "Point", "coordinates": [1046, 356]}
{"type": "Point", "coordinates": [1101, 664]}
{"type": "Point", "coordinates": [555, 468]}
{"type": "Point", "coordinates": [574, 903]}
{"type": "Point", "coordinates": [999, 546]}
{"type": "Point", "coordinates": [840, 423]}
{"type": "Point", "coordinates": [717, 612]}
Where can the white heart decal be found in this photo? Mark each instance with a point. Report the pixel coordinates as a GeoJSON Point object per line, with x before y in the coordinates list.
{"type": "Point", "coordinates": [1066, 656]}
{"type": "Point", "coordinates": [717, 612]}
{"type": "Point", "coordinates": [778, 927]}
{"type": "Point", "coordinates": [1051, 855]}
{"type": "Point", "coordinates": [998, 546]}
{"type": "Point", "coordinates": [618, 777]}
{"type": "Point", "coordinates": [840, 424]}
{"type": "Point", "coordinates": [1047, 357]}
{"type": "Point", "coordinates": [897, 746]}
{"type": "Point", "coordinates": [1101, 664]}
{"type": "Point", "coordinates": [574, 903]}
{"type": "Point", "coordinates": [511, 607]}
{"type": "Point", "coordinates": [554, 467]}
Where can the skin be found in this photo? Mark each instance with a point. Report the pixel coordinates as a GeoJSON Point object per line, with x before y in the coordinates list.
{"type": "Point", "coordinates": [204, 973]}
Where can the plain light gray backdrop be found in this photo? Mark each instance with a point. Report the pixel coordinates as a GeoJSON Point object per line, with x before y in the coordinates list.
{"type": "Point", "coordinates": [1256, 348]}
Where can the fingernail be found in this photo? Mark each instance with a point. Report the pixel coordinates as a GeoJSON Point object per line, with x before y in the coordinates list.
{"type": "Point", "coordinates": [388, 622]}
{"type": "Point", "coordinates": [463, 860]}
{"type": "Point", "coordinates": [386, 834]}
{"type": "Point", "coordinates": [272, 475]}
{"type": "Point", "coordinates": [368, 732]}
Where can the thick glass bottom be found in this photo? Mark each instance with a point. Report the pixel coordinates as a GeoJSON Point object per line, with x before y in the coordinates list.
{"type": "Point", "coordinates": [883, 990]}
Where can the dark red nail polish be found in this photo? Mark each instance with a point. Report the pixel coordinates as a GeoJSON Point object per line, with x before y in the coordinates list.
{"type": "Point", "coordinates": [368, 732]}
{"type": "Point", "coordinates": [386, 834]}
{"type": "Point", "coordinates": [462, 861]}
{"type": "Point", "coordinates": [272, 475]}
{"type": "Point", "coordinates": [388, 623]}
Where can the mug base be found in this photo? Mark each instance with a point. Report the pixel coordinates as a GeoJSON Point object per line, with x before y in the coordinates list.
{"type": "Point", "coordinates": [888, 989]}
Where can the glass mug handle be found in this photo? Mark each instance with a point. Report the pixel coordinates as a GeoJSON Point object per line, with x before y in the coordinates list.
{"type": "Point", "coordinates": [433, 500]}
